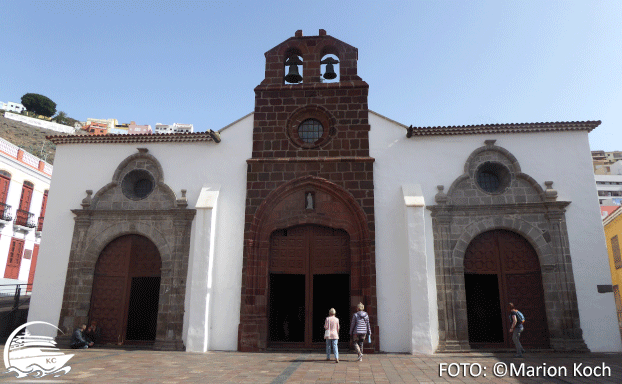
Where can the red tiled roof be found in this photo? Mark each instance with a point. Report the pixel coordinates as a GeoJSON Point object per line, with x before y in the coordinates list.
{"type": "Point", "coordinates": [141, 138]}
{"type": "Point", "coordinates": [504, 128]}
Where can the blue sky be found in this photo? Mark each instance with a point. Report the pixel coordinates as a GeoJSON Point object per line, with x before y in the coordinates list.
{"type": "Point", "coordinates": [427, 63]}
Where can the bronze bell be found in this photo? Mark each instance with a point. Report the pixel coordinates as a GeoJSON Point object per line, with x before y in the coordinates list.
{"type": "Point", "coordinates": [293, 76]}
{"type": "Point", "coordinates": [329, 74]}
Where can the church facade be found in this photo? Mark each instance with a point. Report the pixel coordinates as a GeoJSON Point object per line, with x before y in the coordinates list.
{"type": "Point", "coordinates": [242, 239]}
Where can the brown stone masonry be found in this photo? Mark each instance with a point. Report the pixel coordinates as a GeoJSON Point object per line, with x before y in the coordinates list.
{"type": "Point", "coordinates": [336, 168]}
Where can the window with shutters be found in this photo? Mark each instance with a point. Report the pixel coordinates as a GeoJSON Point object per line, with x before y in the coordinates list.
{"type": "Point", "coordinates": [5, 180]}
{"type": "Point", "coordinates": [23, 212]}
{"type": "Point", "coordinates": [42, 214]}
{"type": "Point", "coordinates": [615, 250]}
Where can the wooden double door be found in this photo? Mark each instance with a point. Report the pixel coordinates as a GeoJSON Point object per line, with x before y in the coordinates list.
{"type": "Point", "coordinates": [309, 269]}
{"type": "Point", "coordinates": [501, 267]}
{"type": "Point", "coordinates": [126, 288]}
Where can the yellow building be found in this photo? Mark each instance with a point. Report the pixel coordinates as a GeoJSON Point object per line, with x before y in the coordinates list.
{"type": "Point", "coordinates": [613, 233]}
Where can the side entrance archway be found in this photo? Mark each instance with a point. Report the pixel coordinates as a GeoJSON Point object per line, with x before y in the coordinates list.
{"type": "Point", "coordinates": [501, 266]}
{"type": "Point", "coordinates": [126, 290]}
{"type": "Point", "coordinates": [309, 269]}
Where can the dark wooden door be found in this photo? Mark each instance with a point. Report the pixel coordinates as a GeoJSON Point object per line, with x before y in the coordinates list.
{"type": "Point", "coordinates": [308, 250]}
{"type": "Point", "coordinates": [121, 262]}
{"type": "Point", "coordinates": [508, 260]}
{"type": "Point", "coordinates": [13, 262]}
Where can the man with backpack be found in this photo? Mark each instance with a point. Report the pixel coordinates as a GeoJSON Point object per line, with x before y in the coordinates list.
{"type": "Point", "coordinates": [517, 319]}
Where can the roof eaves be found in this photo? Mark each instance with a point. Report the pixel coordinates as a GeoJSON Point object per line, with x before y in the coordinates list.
{"type": "Point", "coordinates": [142, 138]}
{"type": "Point", "coordinates": [612, 216]}
{"type": "Point", "coordinates": [504, 128]}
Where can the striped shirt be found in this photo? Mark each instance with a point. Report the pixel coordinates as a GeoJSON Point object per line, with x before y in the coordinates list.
{"type": "Point", "coordinates": [360, 324]}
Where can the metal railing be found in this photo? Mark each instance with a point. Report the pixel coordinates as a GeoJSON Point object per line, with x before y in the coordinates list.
{"type": "Point", "coordinates": [5, 212]}
{"type": "Point", "coordinates": [25, 219]}
{"type": "Point", "coordinates": [12, 297]}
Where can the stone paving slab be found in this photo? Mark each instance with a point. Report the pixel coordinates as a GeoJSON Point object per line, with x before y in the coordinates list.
{"type": "Point", "coordinates": [145, 366]}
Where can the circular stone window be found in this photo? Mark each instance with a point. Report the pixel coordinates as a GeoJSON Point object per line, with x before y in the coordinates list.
{"type": "Point", "coordinates": [310, 131]}
{"type": "Point", "coordinates": [310, 127]}
{"type": "Point", "coordinates": [137, 184]}
{"type": "Point", "coordinates": [492, 177]}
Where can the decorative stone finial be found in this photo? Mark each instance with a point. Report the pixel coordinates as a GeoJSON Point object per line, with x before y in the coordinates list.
{"type": "Point", "coordinates": [86, 202]}
{"type": "Point", "coordinates": [183, 201]}
{"type": "Point", "coordinates": [440, 197]}
{"type": "Point", "coordinates": [550, 194]}
{"type": "Point", "coordinates": [142, 150]}
{"type": "Point", "coordinates": [490, 142]}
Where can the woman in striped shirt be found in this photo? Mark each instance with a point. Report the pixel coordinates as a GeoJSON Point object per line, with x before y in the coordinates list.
{"type": "Point", "coordinates": [359, 328]}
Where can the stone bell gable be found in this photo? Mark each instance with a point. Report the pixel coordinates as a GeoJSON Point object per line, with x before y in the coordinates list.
{"type": "Point", "coordinates": [310, 131]}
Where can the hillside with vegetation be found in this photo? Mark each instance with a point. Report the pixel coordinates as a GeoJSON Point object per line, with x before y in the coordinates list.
{"type": "Point", "coordinates": [30, 138]}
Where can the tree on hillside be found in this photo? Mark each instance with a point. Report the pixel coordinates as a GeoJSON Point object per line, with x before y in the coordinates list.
{"type": "Point", "coordinates": [39, 104]}
{"type": "Point", "coordinates": [60, 118]}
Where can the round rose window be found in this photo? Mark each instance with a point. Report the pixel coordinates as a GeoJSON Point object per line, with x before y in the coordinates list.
{"type": "Point", "coordinates": [310, 131]}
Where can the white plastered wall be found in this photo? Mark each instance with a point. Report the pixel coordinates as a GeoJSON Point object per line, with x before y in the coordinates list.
{"type": "Point", "coordinates": [563, 157]}
{"type": "Point", "coordinates": [189, 166]}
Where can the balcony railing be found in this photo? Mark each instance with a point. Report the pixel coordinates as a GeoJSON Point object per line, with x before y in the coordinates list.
{"type": "Point", "coordinates": [40, 224]}
{"type": "Point", "coordinates": [25, 219]}
{"type": "Point", "coordinates": [5, 212]}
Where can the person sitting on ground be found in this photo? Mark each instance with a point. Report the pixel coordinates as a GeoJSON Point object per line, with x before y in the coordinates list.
{"type": "Point", "coordinates": [93, 333]}
{"type": "Point", "coordinates": [77, 338]}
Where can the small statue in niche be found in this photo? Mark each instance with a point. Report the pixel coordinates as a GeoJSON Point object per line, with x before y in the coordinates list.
{"type": "Point", "coordinates": [309, 200]}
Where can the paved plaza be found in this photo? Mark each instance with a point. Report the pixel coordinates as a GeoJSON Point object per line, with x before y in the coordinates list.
{"type": "Point", "coordinates": [145, 366]}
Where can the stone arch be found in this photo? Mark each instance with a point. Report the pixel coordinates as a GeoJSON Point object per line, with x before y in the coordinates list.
{"type": "Point", "coordinates": [114, 231]}
{"type": "Point", "coordinates": [110, 196]}
{"type": "Point", "coordinates": [283, 208]}
{"type": "Point", "coordinates": [522, 207]}
{"type": "Point", "coordinates": [521, 188]}
{"type": "Point", "coordinates": [328, 49]}
{"type": "Point", "coordinates": [159, 217]}
{"type": "Point", "coordinates": [265, 221]}
{"type": "Point", "coordinates": [532, 234]}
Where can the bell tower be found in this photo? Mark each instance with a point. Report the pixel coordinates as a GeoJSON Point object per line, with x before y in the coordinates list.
{"type": "Point", "coordinates": [310, 166]}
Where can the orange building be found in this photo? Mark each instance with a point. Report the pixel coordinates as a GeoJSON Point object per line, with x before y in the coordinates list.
{"type": "Point", "coordinates": [95, 128]}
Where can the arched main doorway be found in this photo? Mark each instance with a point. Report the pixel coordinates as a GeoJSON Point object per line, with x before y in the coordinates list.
{"type": "Point", "coordinates": [309, 273]}
{"type": "Point", "coordinates": [500, 267]}
{"type": "Point", "coordinates": [126, 289]}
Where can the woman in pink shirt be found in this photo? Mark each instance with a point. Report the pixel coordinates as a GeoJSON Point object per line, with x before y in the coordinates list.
{"type": "Point", "coordinates": [332, 326]}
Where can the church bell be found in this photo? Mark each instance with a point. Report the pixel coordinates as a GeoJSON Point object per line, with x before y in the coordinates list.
{"type": "Point", "coordinates": [329, 74]}
{"type": "Point", "coordinates": [293, 76]}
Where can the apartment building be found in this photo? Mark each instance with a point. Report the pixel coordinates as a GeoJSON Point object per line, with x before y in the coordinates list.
{"type": "Point", "coordinates": [134, 129]}
{"type": "Point", "coordinates": [24, 184]}
{"type": "Point", "coordinates": [173, 128]}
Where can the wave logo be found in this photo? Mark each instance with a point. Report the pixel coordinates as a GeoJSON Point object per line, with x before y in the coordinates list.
{"type": "Point", "coordinates": [38, 356]}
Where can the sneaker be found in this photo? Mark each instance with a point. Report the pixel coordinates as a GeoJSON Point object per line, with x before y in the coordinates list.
{"type": "Point", "coordinates": [360, 357]}
{"type": "Point", "coordinates": [328, 359]}
{"type": "Point", "coordinates": [337, 361]}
